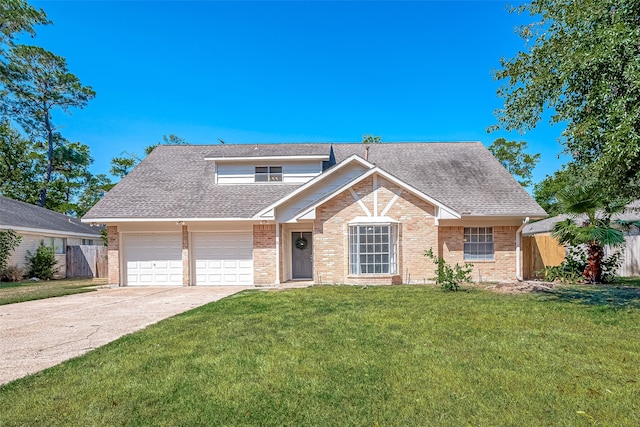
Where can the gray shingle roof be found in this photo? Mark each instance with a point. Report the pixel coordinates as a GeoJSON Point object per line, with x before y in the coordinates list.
{"type": "Point", "coordinates": [462, 175]}
{"type": "Point", "coordinates": [19, 214]}
{"type": "Point", "coordinates": [257, 150]}
{"type": "Point", "coordinates": [631, 213]}
{"type": "Point", "coordinates": [176, 181]}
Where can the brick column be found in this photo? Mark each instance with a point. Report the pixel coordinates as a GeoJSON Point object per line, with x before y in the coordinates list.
{"type": "Point", "coordinates": [113, 255]}
{"type": "Point", "coordinates": [264, 254]}
{"type": "Point", "coordinates": [186, 277]}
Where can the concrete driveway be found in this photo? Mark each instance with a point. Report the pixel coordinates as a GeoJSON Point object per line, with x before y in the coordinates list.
{"type": "Point", "coordinates": [36, 335]}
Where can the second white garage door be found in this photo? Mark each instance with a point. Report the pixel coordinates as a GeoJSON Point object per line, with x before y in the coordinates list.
{"type": "Point", "coordinates": [153, 259]}
{"type": "Point", "coordinates": [223, 258]}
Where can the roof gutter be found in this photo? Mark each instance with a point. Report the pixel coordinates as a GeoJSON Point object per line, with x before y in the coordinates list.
{"type": "Point", "coordinates": [519, 250]}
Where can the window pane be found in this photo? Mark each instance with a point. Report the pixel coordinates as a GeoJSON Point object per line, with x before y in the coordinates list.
{"type": "Point", "coordinates": [261, 178]}
{"type": "Point", "coordinates": [275, 169]}
{"type": "Point", "coordinates": [277, 177]}
{"type": "Point", "coordinates": [478, 243]}
{"type": "Point", "coordinates": [261, 169]}
{"type": "Point", "coordinates": [372, 249]}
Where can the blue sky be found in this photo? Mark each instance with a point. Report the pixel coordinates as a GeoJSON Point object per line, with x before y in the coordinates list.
{"type": "Point", "coordinates": [294, 71]}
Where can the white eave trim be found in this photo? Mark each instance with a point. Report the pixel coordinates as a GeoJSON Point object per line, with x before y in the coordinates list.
{"type": "Point", "coordinates": [503, 216]}
{"type": "Point", "coordinates": [48, 232]}
{"type": "Point", "coordinates": [114, 220]}
{"type": "Point", "coordinates": [315, 180]}
{"type": "Point", "coordinates": [372, 220]}
{"type": "Point", "coordinates": [388, 177]}
{"type": "Point", "coordinates": [265, 158]}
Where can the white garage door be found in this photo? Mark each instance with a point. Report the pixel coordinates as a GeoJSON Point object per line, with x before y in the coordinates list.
{"type": "Point", "coordinates": [153, 259]}
{"type": "Point", "coordinates": [223, 258]}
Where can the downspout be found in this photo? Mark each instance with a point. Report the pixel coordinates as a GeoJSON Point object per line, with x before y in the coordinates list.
{"type": "Point", "coordinates": [277, 252]}
{"type": "Point", "coordinates": [519, 250]}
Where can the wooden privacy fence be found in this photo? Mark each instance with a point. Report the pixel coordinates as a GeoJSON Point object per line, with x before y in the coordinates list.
{"type": "Point", "coordinates": [630, 265]}
{"type": "Point", "coordinates": [538, 252]}
{"type": "Point", "coordinates": [86, 261]}
{"type": "Point", "coordinates": [543, 250]}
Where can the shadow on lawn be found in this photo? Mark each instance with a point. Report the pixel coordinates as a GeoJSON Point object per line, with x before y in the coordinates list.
{"type": "Point", "coordinates": [598, 295]}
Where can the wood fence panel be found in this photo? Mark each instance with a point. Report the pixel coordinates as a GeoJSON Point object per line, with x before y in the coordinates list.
{"type": "Point", "coordinates": [87, 261]}
{"type": "Point", "coordinates": [631, 263]}
{"type": "Point", "coordinates": [538, 252]}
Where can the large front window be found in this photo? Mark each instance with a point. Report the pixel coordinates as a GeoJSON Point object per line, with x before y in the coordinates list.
{"type": "Point", "coordinates": [373, 249]}
{"type": "Point", "coordinates": [478, 243]}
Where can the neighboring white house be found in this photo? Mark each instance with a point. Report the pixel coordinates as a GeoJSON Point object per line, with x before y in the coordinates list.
{"type": "Point", "coordinates": [37, 224]}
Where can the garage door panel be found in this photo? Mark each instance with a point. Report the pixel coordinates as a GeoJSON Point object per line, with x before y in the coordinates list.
{"type": "Point", "coordinates": [153, 259]}
{"type": "Point", "coordinates": [223, 258]}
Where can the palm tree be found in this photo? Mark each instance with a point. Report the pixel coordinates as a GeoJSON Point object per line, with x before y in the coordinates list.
{"type": "Point", "coordinates": [589, 224]}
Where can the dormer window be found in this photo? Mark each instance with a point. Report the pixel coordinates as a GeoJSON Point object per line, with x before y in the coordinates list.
{"type": "Point", "coordinates": [268, 174]}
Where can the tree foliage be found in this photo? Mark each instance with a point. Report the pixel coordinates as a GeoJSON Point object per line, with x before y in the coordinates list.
{"type": "Point", "coordinates": [122, 165]}
{"type": "Point", "coordinates": [38, 82]}
{"type": "Point", "coordinates": [582, 66]}
{"type": "Point", "coordinates": [17, 16]}
{"type": "Point", "coordinates": [9, 240]}
{"type": "Point", "coordinates": [515, 159]}
{"type": "Point", "coordinates": [370, 139]}
{"type": "Point", "coordinates": [590, 224]}
{"type": "Point", "coordinates": [19, 166]}
{"type": "Point", "coordinates": [545, 191]}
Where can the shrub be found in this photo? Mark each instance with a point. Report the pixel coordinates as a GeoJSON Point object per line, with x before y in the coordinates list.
{"type": "Point", "coordinates": [12, 273]}
{"type": "Point", "coordinates": [42, 262]}
{"type": "Point", "coordinates": [9, 240]}
{"type": "Point", "coordinates": [572, 268]}
{"type": "Point", "coordinates": [449, 278]}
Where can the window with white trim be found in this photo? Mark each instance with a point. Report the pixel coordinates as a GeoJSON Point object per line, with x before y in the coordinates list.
{"type": "Point", "coordinates": [478, 244]}
{"type": "Point", "coordinates": [373, 249]}
{"type": "Point", "coordinates": [268, 174]}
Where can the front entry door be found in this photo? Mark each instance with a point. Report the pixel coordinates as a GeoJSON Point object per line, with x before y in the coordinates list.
{"type": "Point", "coordinates": [301, 255]}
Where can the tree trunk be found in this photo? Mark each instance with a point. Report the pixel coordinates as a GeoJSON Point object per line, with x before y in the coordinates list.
{"type": "Point", "coordinates": [47, 176]}
{"type": "Point", "coordinates": [593, 271]}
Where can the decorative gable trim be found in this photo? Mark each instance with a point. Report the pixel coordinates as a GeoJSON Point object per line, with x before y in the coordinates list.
{"type": "Point", "coordinates": [314, 181]}
{"type": "Point", "coordinates": [442, 210]}
{"type": "Point", "coordinates": [360, 202]}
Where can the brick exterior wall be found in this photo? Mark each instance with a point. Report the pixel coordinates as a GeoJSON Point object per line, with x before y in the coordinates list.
{"type": "Point", "coordinates": [416, 233]}
{"type": "Point", "coordinates": [264, 254]}
{"type": "Point", "coordinates": [113, 255]}
{"type": "Point", "coordinates": [503, 267]}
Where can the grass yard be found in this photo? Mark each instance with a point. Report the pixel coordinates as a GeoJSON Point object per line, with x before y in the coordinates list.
{"type": "Point", "coordinates": [12, 292]}
{"type": "Point", "coordinates": [387, 356]}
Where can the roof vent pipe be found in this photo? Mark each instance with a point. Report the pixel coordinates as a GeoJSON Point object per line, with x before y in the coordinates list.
{"type": "Point", "coordinates": [366, 153]}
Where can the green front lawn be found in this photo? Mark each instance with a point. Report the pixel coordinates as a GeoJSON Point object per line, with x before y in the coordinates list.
{"type": "Point", "coordinates": [406, 355]}
{"type": "Point", "coordinates": [12, 292]}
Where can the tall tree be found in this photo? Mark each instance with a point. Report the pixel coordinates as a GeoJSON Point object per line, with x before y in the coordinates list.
{"type": "Point", "coordinates": [515, 159]}
{"type": "Point", "coordinates": [38, 82]}
{"type": "Point", "coordinates": [582, 66]}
